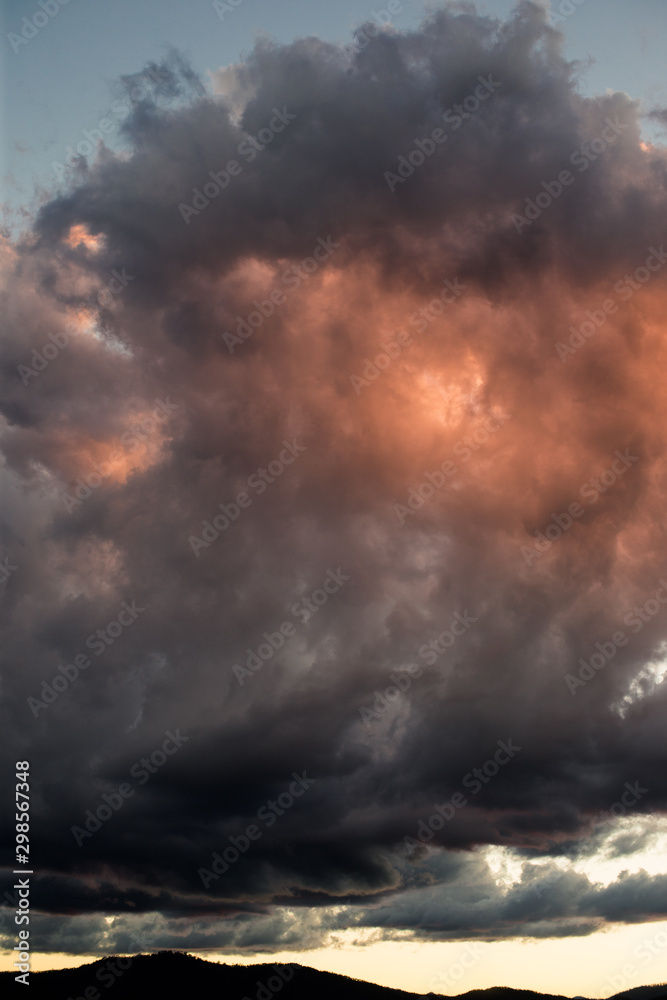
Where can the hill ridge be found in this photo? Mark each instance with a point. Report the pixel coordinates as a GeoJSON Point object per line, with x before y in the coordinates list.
{"type": "Point", "coordinates": [170, 975]}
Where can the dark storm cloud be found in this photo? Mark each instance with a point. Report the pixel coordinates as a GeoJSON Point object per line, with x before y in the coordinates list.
{"type": "Point", "coordinates": [159, 289]}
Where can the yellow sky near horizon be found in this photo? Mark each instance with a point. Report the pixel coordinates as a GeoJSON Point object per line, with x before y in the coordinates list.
{"type": "Point", "coordinates": [594, 966]}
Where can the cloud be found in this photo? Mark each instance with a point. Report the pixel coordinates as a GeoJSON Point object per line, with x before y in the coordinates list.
{"type": "Point", "coordinates": [83, 425]}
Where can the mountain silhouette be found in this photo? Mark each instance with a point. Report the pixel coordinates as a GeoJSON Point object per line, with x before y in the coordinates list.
{"type": "Point", "coordinates": [169, 975]}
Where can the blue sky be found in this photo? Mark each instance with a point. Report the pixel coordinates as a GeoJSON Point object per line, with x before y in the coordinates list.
{"type": "Point", "coordinates": [59, 83]}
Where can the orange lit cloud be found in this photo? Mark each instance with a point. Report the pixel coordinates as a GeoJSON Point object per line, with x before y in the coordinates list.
{"type": "Point", "coordinates": [79, 236]}
{"type": "Point", "coordinates": [376, 337]}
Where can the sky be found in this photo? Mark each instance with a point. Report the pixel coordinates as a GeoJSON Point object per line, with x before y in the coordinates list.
{"type": "Point", "coordinates": [332, 562]}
